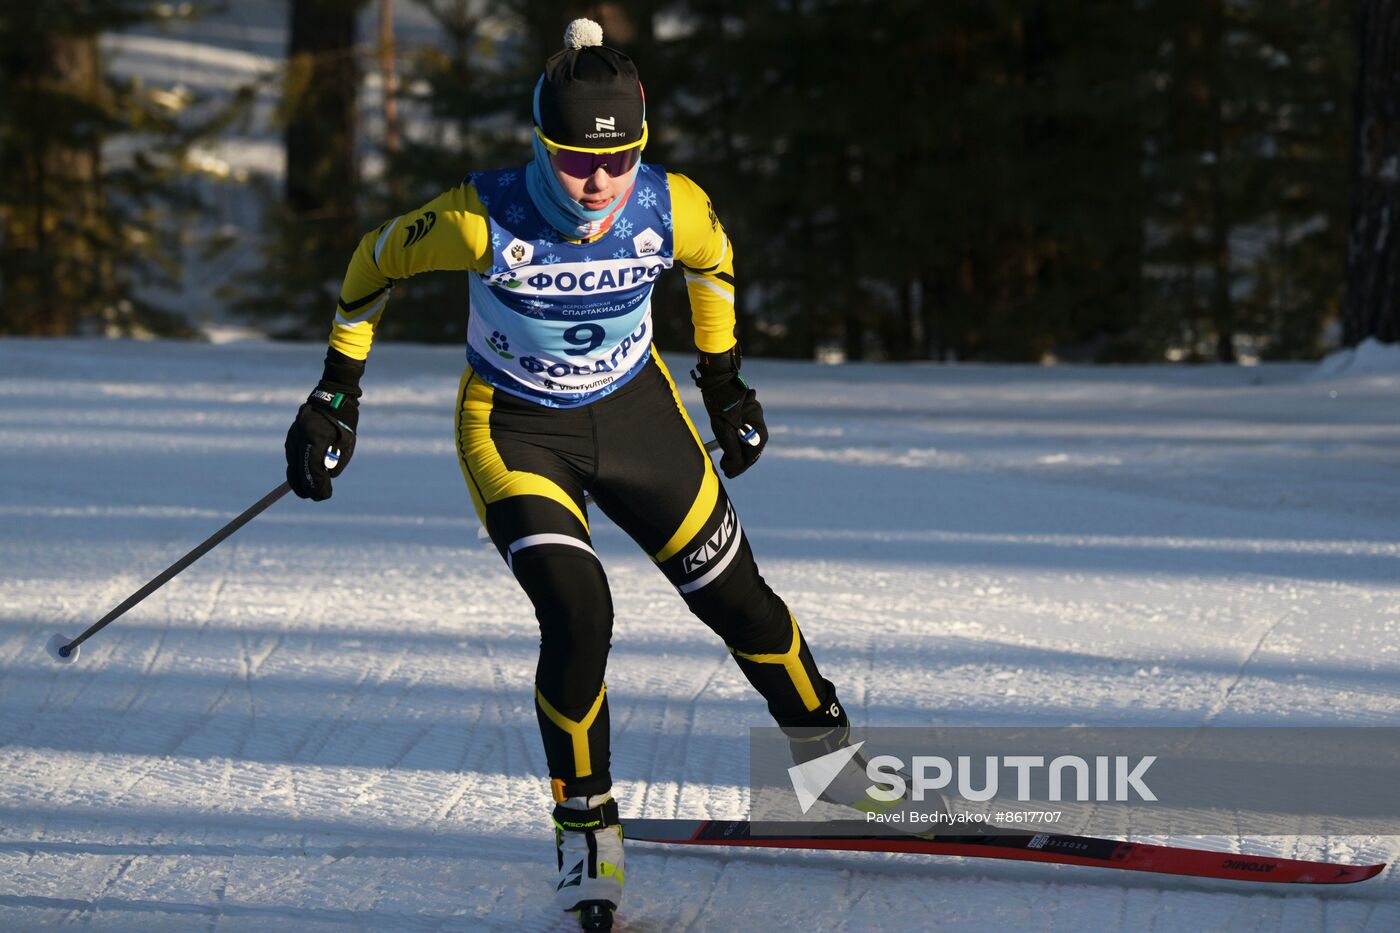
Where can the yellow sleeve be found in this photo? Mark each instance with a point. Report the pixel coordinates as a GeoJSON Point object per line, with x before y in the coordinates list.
{"type": "Point", "coordinates": [703, 250]}
{"type": "Point", "coordinates": [450, 232]}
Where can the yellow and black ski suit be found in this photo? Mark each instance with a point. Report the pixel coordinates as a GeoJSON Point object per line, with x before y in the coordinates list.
{"type": "Point", "coordinates": [529, 457]}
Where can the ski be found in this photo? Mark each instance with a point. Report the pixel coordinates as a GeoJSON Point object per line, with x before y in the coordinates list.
{"type": "Point", "coordinates": [1026, 847]}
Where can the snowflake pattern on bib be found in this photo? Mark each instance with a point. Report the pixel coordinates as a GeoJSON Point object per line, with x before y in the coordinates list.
{"type": "Point", "coordinates": [560, 322]}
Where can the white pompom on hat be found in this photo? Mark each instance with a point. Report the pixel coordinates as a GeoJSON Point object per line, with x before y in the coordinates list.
{"type": "Point", "coordinates": [582, 33]}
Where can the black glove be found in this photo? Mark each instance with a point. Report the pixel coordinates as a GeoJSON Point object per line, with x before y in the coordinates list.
{"type": "Point", "coordinates": [735, 415]}
{"type": "Point", "coordinates": [322, 438]}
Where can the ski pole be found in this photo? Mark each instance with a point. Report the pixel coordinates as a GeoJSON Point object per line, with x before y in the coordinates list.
{"type": "Point", "coordinates": [66, 652]}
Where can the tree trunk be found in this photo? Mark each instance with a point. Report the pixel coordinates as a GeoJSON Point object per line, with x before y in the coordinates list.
{"type": "Point", "coordinates": [853, 332]}
{"type": "Point", "coordinates": [1222, 309]}
{"type": "Point", "coordinates": [933, 298]}
{"type": "Point", "coordinates": [322, 80]}
{"type": "Point", "coordinates": [389, 82]}
{"type": "Point", "coordinates": [53, 278]}
{"type": "Point", "coordinates": [1372, 307]}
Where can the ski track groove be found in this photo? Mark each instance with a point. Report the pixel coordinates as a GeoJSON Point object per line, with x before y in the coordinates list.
{"type": "Point", "coordinates": [251, 666]}
{"type": "Point", "coordinates": [302, 604]}
{"type": "Point", "coordinates": [648, 790]}
{"type": "Point", "coordinates": [464, 753]}
{"type": "Point", "coordinates": [325, 732]}
{"type": "Point", "coordinates": [1121, 914]}
{"type": "Point", "coordinates": [1156, 896]}
{"type": "Point", "coordinates": [657, 737]}
{"type": "Point", "coordinates": [419, 734]}
{"type": "Point", "coordinates": [445, 813]}
{"type": "Point", "coordinates": [496, 693]}
{"type": "Point", "coordinates": [138, 688]}
{"type": "Point", "coordinates": [107, 647]}
{"type": "Point", "coordinates": [160, 759]}
{"type": "Point", "coordinates": [31, 853]}
{"type": "Point", "coordinates": [851, 908]}
{"type": "Point", "coordinates": [226, 778]}
{"type": "Point", "coordinates": [56, 682]}
{"type": "Point", "coordinates": [250, 725]}
{"type": "Point", "coordinates": [203, 719]}
{"type": "Point", "coordinates": [1223, 700]}
{"type": "Point", "coordinates": [217, 591]}
{"type": "Point", "coordinates": [109, 881]}
{"type": "Point", "coordinates": [692, 707]}
{"type": "Point", "coordinates": [683, 758]}
{"type": "Point", "coordinates": [286, 917]}
{"type": "Point", "coordinates": [72, 778]}
{"type": "Point", "coordinates": [278, 640]}
{"type": "Point", "coordinates": [702, 912]}
{"type": "Point", "coordinates": [381, 679]}
{"type": "Point", "coordinates": [377, 778]}
{"type": "Point", "coordinates": [847, 885]}
{"type": "Point", "coordinates": [869, 679]}
{"type": "Point", "coordinates": [220, 888]}
{"type": "Point", "coordinates": [445, 810]}
{"type": "Point", "coordinates": [529, 751]}
{"type": "Point", "coordinates": [486, 911]}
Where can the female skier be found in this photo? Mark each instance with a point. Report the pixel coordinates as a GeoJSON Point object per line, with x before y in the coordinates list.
{"type": "Point", "coordinates": [564, 393]}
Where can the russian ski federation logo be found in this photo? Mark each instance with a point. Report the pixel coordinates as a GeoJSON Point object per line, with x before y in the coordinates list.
{"type": "Point", "coordinates": [518, 253]}
{"type": "Point", "coordinates": [647, 243]}
{"type": "Point", "coordinates": [811, 779]}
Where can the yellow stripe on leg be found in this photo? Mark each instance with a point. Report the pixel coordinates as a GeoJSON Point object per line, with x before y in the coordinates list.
{"type": "Point", "coordinates": [704, 504]}
{"type": "Point", "coordinates": [488, 477]}
{"type": "Point", "coordinates": [792, 663]}
{"type": "Point", "coordinates": [576, 731]}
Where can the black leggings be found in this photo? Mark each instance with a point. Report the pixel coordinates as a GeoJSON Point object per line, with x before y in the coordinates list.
{"type": "Point", "coordinates": [639, 455]}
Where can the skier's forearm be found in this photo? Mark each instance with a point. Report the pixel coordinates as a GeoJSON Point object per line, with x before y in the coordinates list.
{"type": "Point", "coordinates": [363, 295]}
{"type": "Point", "coordinates": [711, 293]}
{"type": "Point", "coordinates": [342, 372]}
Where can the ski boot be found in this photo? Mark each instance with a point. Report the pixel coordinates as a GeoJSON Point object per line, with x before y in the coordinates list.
{"type": "Point", "coordinates": [588, 843]}
{"type": "Point", "coordinates": [849, 788]}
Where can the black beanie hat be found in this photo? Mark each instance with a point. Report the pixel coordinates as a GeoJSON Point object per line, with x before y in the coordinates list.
{"type": "Point", "coordinates": [589, 96]}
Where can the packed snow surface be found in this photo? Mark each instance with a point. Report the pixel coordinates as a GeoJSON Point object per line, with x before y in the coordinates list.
{"type": "Point", "coordinates": [327, 722]}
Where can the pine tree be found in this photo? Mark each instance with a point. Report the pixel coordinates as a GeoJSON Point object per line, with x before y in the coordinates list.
{"type": "Point", "coordinates": [81, 231]}
{"type": "Point", "coordinates": [1373, 251]}
{"type": "Point", "coordinates": [1003, 181]}
{"type": "Point", "coordinates": [1245, 143]}
{"type": "Point", "coordinates": [313, 227]}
